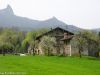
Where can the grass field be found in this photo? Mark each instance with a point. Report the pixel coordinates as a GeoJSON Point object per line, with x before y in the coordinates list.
{"type": "Point", "coordinates": [44, 65]}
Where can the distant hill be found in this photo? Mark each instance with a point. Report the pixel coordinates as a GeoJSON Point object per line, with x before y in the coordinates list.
{"type": "Point", "coordinates": [9, 19]}
{"type": "Point", "coordinates": [96, 30]}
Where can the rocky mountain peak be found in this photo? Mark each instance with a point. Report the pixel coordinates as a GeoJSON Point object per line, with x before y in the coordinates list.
{"type": "Point", "coordinates": [54, 18]}
{"type": "Point", "coordinates": [7, 10]}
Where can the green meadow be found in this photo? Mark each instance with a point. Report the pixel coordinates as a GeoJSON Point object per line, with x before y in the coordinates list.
{"type": "Point", "coordinates": [49, 65]}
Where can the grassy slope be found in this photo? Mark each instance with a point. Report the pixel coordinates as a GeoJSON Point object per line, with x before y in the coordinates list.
{"type": "Point", "coordinates": [42, 65]}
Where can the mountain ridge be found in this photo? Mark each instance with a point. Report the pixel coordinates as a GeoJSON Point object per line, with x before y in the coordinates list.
{"type": "Point", "coordinates": [9, 19]}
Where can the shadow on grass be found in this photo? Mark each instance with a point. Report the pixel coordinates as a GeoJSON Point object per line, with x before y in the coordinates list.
{"type": "Point", "coordinates": [94, 58]}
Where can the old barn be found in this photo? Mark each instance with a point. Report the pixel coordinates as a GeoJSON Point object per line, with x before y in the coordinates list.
{"type": "Point", "coordinates": [63, 38]}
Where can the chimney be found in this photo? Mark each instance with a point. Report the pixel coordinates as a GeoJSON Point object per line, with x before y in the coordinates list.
{"type": "Point", "coordinates": [65, 35]}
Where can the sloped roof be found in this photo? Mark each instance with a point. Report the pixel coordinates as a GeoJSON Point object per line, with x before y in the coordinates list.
{"type": "Point", "coordinates": [61, 28]}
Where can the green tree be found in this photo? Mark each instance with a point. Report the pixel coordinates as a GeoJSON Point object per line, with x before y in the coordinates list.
{"type": "Point", "coordinates": [11, 38]}
{"type": "Point", "coordinates": [5, 47]}
{"type": "Point", "coordinates": [47, 44]}
{"type": "Point", "coordinates": [30, 39]}
{"type": "Point", "coordinates": [80, 43]}
{"type": "Point", "coordinates": [87, 40]}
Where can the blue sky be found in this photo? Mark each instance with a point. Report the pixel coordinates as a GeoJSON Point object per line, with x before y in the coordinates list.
{"type": "Point", "coordinates": [81, 13]}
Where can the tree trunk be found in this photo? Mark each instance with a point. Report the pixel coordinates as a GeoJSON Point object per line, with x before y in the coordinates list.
{"type": "Point", "coordinates": [3, 52]}
{"type": "Point", "coordinates": [33, 48]}
{"type": "Point", "coordinates": [58, 51]}
{"type": "Point", "coordinates": [80, 53]}
{"type": "Point", "coordinates": [49, 52]}
{"type": "Point", "coordinates": [33, 52]}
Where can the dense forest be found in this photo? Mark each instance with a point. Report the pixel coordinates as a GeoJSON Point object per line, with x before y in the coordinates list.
{"type": "Point", "coordinates": [13, 41]}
